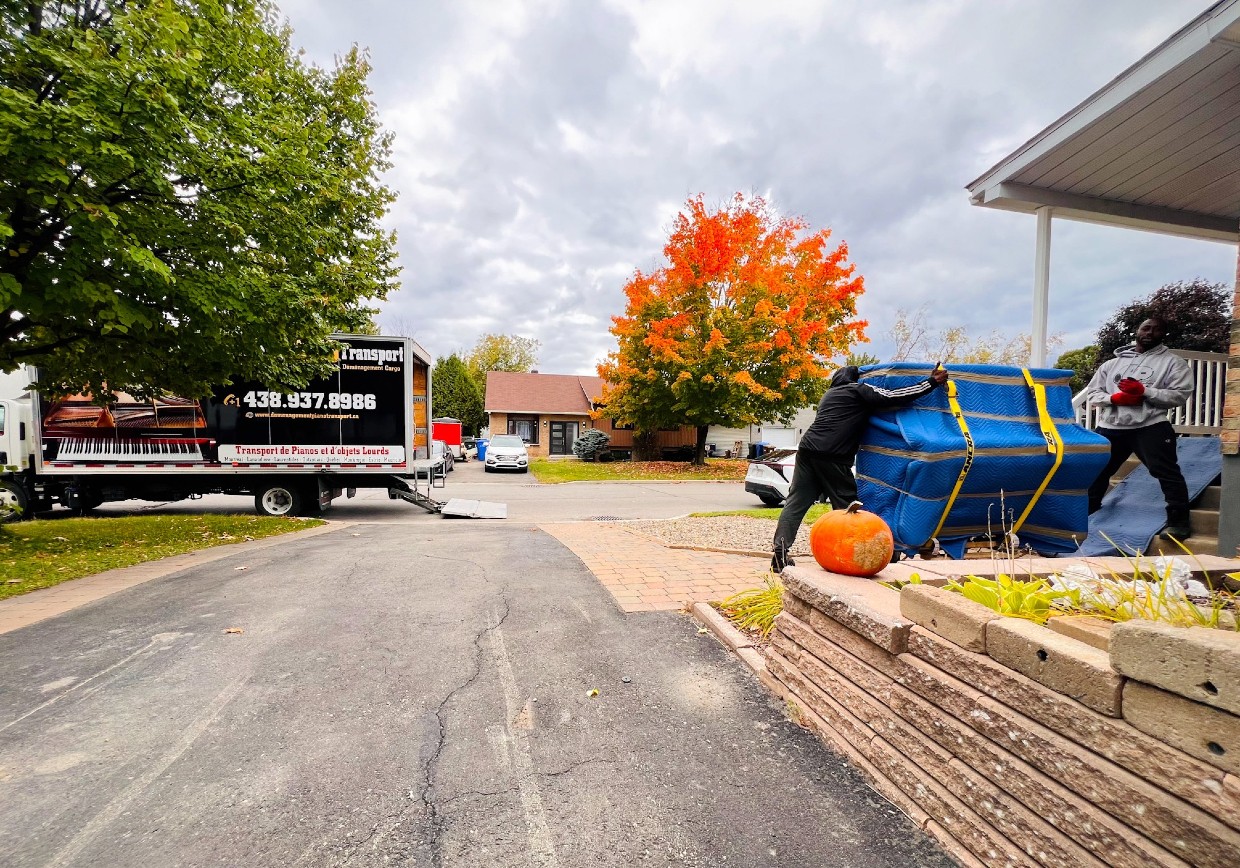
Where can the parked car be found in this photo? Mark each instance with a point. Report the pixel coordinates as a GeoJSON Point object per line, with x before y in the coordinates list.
{"type": "Point", "coordinates": [770, 476]}
{"type": "Point", "coordinates": [507, 451]}
{"type": "Point", "coordinates": [440, 451]}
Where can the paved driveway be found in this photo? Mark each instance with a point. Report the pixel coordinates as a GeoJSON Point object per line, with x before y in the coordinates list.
{"type": "Point", "coordinates": [410, 691]}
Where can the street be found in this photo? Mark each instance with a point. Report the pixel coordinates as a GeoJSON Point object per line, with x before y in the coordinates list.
{"type": "Point", "coordinates": [411, 690]}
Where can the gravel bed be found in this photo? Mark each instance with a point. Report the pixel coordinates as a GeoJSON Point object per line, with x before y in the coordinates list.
{"type": "Point", "coordinates": [733, 532]}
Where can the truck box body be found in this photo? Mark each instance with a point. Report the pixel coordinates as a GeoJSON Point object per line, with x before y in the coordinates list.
{"type": "Point", "coordinates": [361, 419]}
{"type": "Point", "coordinates": [362, 426]}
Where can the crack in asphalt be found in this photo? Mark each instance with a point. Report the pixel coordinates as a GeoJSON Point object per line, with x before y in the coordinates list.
{"type": "Point", "coordinates": [423, 796]}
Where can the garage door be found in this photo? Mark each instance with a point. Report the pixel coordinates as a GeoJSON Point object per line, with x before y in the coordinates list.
{"type": "Point", "coordinates": [781, 438]}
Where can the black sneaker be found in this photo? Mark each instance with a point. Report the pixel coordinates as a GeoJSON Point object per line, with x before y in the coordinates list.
{"type": "Point", "coordinates": [780, 559]}
{"type": "Point", "coordinates": [1176, 531]}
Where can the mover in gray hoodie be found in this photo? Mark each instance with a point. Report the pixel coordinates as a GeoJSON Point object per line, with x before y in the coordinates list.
{"type": "Point", "coordinates": [1132, 393]}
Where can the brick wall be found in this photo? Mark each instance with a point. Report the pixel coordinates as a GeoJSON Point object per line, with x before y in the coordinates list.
{"type": "Point", "coordinates": [1031, 760]}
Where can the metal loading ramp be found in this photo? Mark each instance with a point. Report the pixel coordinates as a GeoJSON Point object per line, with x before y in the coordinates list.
{"type": "Point", "coordinates": [455, 507]}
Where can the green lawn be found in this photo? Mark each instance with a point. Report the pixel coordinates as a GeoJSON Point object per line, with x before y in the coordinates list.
{"type": "Point", "coordinates": [41, 553]}
{"type": "Point", "coordinates": [572, 470]}
{"type": "Point", "coordinates": [771, 512]}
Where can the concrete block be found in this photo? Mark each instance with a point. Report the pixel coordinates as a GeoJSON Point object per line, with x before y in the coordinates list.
{"type": "Point", "coordinates": [752, 658]}
{"type": "Point", "coordinates": [884, 787]}
{"type": "Point", "coordinates": [960, 822]}
{"type": "Point", "coordinates": [952, 616]}
{"type": "Point", "coordinates": [854, 643]}
{"type": "Point", "coordinates": [1101, 834]}
{"type": "Point", "coordinates": [1192, 780]}
{"type": "Point", "coordinates": [810, 696]}
{"type": "Point", "coordinates": [1182, 828]}
{"type": "Point", "coordinates": [724, 630]}
{"type": "Point", "coordinates": [1083, 628]}
{"type": "Point", "coordinates": [795, 606]}
{"type": "Point", "coordinates": [989, 800]}
{"type": "Point", "coordinates": [1208, 733]}
{"type": "Point", "coordinates": [1058, 662]}
{"type": "Point", "coordinates": [954, 848]}
{"type": "Point", "coordinates": [862, 605]}
{"type": "Point", "coordinates": [1196, 662]}
{"type": "Point", "coordinates": [786, 646]}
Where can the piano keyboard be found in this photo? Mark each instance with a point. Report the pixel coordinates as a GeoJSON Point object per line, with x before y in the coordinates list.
{"type": "Point", "coordinates": [104, 449]}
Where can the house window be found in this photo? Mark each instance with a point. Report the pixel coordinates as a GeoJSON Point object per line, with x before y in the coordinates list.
{"type": "Point", "coordinates": [616, 426]}
{"type": "Point", "coordinates": [525, 427]}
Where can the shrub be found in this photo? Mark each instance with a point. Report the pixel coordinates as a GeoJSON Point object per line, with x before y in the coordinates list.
{"type": "Point", "coordinates": [592, 445]}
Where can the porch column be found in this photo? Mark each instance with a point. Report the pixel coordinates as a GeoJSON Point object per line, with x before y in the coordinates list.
{"type": "Point", "coordinates": [1229, 506]}
{"type": "Point", "coordinates": [1041, 288]}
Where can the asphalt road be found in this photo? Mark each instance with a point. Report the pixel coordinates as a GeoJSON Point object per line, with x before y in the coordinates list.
{"type": "Point", "coordinates": [409, 690]}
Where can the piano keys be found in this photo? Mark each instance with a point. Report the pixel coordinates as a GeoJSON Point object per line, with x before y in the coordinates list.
{"type": "Point", "coordinates": [95, 449]}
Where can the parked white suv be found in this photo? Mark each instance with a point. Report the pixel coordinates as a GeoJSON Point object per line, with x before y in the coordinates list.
{"type": "Point", "coordinates": [507, 451]}
{"type": "Point", "coordinates": [770, 476]}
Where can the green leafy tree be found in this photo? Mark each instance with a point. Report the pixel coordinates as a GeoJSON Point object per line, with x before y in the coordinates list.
{"type": "Point", "coordinates": [1082, 363]}
{"type": "Point", "coordinates": [455, 393]}
{"type": "Point", "coordinates": [495, 352]}
{"type": "Point", "coordinates": [1197, 313]}
{"type": "Point", "coordinates": [736, 328]}
{"type": "Point", "coordinates": [182, 199]}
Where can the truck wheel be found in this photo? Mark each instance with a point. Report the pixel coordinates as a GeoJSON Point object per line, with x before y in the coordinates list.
{"type": "Point", "coordinates": [278, 500]}
{"type": "Point", "coordinates": [14, 504]}
{"type": "Point", "coordinates": [770, 499]}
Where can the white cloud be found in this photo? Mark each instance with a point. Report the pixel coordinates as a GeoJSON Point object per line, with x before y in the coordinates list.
{"type": "Point", "coordinates": [543, 148]}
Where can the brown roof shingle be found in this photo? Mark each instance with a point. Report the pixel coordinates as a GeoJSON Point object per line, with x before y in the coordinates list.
{"type": "Point", "coordinates": [566, 394]}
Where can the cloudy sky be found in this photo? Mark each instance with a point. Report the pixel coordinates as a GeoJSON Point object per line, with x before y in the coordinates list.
{"type": "Point", "coordinates": [542, 149]}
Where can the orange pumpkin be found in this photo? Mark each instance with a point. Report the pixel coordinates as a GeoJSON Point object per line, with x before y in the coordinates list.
{"type": "Point", "coordinates": [851, 541]}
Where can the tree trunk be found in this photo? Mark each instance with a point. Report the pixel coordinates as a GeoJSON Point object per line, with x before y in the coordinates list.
{"type": "Point", "coordinates": [644, 445]}
{"type": "Point", "coordinates": [699, 454]}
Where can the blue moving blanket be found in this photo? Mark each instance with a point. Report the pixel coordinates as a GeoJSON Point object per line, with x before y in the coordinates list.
{"type": "Point", "coordinates": [1134, 510]}
{"type": "Point", "coordinates": [911, 458]}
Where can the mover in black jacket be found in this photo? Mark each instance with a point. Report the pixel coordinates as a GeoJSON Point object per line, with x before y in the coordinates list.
{"type": "Point", "coordinates": [829, 447]}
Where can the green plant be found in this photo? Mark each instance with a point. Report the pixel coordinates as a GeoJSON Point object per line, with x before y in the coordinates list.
{"type": "Point", "coordinates": [1035, 599]}
{"type": "Point", "coordinates": [755, 609]}
{"type": "Point", "coordinates": [897, 584]}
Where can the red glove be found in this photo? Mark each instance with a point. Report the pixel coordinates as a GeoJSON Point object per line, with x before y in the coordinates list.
{"type": "Point", "coordinates": [1123, 399]}
{"type": "Point", "coordinates": [1129, 386]}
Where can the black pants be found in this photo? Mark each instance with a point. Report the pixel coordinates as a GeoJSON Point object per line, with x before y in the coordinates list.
{"type": "Point", "coordinates": [1154, 446]}
{"type": "Point", "coordinates": [812, 478]}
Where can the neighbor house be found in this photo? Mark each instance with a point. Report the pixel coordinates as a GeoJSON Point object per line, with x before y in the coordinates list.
{"type": "Point", "coordinates": [550, 411]}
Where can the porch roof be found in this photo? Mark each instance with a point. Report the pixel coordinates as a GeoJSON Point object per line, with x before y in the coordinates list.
{"type": "Point", "coordinates": [1158, 148]}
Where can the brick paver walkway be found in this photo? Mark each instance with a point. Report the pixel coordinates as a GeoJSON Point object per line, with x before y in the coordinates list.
{"type": "Point", "coordinates": [643, 575]}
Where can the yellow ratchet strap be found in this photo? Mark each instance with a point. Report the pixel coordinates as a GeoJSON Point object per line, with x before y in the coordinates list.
{"type": "Point", "coordinates": [954, 404]}
{"type": "Point", "coordinates": [1054, 444]}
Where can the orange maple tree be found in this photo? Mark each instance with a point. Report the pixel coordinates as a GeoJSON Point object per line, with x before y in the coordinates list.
{"type": "Point", "coordinates": [736, 328]}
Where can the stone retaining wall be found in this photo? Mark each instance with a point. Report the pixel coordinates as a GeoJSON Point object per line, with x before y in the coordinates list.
{"type": "Point", "coordinates": [1011, 743]}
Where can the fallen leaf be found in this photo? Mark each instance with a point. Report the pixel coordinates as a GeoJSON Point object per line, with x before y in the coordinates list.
{"type": "Point", "coordinates": [240, 568]}
{"type": "Point", "coordinates": [61, 538]}
{"type": "Point", "coordinates": [234, 630]}
{"type": "Point", "coordinates": [592, 693]}
{"type": "Point", "coordinates": [703, 630]}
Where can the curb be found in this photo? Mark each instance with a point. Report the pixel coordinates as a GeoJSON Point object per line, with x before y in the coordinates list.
{"type": "Point", "coordinates": [732, 638]}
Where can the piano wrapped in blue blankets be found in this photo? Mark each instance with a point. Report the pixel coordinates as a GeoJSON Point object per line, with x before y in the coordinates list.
{"type": "Point", "coordinates": [995, 451]}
